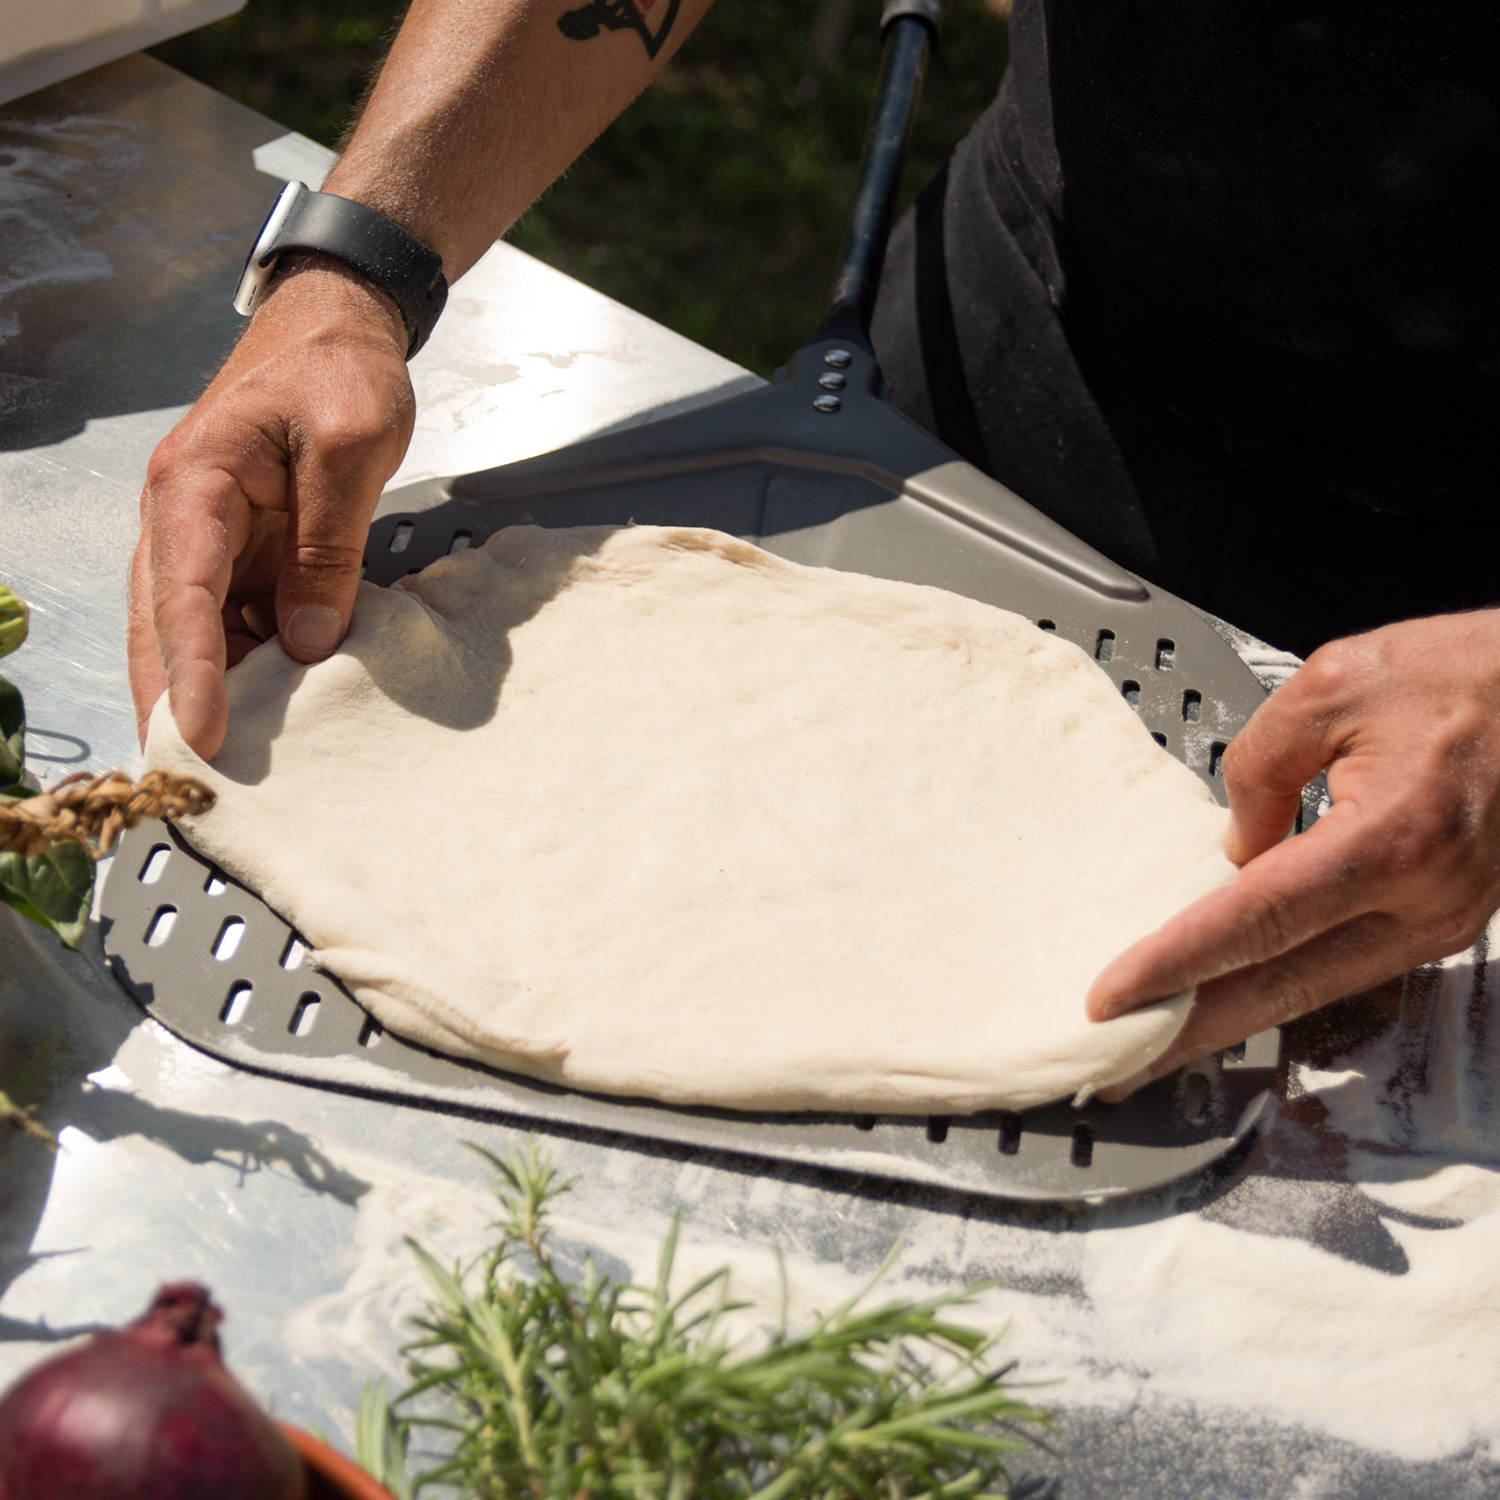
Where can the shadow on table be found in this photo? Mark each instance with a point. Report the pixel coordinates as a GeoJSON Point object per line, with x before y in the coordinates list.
{"type": "Point", "coordinates": [107, 1114]}
{"type": "Point", "coordinates": [63, 1019]}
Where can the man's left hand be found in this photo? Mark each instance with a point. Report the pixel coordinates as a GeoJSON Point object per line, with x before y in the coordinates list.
{"type": "Point", "coordinates": [1403, 868]}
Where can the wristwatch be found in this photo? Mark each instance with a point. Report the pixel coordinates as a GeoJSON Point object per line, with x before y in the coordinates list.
{"type": "Point", "coordinates": [378, 248]}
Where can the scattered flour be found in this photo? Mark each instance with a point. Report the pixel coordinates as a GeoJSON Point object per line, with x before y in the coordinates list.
{"type": "Point", "coordinates": [366, 1319]}
{"type": "Point", "coordinates": [1363, 1302]}
{"type": "Point", "coordinates": [1407, 1363]}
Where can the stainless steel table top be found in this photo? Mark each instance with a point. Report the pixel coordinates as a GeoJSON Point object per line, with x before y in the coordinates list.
{"type": "Point", "coordinates": [127, 198]}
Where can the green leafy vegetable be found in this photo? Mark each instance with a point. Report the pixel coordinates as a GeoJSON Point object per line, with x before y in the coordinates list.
{"type": "Point", "coordinates": [12, 738]}
{"type": "Point", "coordinates": [609, 1391]}
{"type": "Point", "coordinates": [51, 888]}
{"type": "Point", "coordinates": [14, 620]}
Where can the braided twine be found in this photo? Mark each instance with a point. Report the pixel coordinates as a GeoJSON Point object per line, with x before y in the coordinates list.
{"type": "Point", "coordinates": [98, 808]}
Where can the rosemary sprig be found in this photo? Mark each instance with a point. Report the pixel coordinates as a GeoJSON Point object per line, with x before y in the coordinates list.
{"type": "Point", "coordinates": [610, 1391]}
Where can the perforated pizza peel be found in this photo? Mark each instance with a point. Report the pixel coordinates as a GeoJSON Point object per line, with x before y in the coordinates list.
{"type": "Point", "coordinates": [818, 468]}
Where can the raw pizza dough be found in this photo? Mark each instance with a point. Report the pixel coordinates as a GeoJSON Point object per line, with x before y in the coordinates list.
{"type": "Point", "coordinates": [651, 811]}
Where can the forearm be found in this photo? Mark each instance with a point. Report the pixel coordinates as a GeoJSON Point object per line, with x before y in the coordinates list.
{"type": "Point", "coordinates": [483, 103]}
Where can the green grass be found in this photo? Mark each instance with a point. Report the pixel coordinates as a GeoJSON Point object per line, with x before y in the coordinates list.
{"type": "Point", "coordinates": [716, 204]}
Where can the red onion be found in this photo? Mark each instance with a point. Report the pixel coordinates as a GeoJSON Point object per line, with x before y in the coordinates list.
{"type": "Point", "coordinates": [146, 1412]}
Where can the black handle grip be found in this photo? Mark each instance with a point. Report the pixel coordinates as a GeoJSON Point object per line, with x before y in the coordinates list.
{"type": "Point", "coordinates": [910, 27]}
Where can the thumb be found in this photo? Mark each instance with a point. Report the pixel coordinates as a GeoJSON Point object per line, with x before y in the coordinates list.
{"type": "Point", "coordinates": [335, 488]}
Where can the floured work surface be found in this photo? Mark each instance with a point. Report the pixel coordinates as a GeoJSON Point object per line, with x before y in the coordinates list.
{"type": "Point", "coordinates": [652, 812]}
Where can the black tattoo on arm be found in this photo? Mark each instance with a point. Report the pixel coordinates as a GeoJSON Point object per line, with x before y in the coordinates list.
{"type": "Point", "coordinates": [589, 20]}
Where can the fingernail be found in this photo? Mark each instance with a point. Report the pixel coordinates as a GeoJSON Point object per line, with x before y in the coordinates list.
{"type": "Point", "coordinates": [314, 630]}
{"type": "Point", "coordinates": [1115, 1008]}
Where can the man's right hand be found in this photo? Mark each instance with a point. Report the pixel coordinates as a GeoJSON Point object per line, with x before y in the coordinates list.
{"type": "Point", "coordinates": [256, 504]}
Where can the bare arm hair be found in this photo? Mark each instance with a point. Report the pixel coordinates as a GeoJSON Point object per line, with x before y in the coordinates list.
{"type": "Point", "coordinates": [480, 106]}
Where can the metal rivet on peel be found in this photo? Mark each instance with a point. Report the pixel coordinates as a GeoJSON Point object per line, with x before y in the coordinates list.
{"type": "Point", "coordinates": [840, 359]}
{"type": "Point", "coordinates": [832, 381]}
{"type": "Point", "coordinates": [827, 403]}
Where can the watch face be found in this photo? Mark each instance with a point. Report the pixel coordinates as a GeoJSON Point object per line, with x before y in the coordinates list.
{"type": "Point", "coordinates": [261, 261]}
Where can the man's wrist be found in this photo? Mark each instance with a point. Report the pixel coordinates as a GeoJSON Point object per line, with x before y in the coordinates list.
{"type": "Point", "coordinates": [308, 286]}
{"type": "Point", "coordinates": [376, 247]}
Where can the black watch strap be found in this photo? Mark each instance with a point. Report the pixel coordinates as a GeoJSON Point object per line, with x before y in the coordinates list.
{"type": "Point", "coordinates": [378, 248]}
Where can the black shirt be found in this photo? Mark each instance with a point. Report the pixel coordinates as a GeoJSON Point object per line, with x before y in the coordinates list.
{"type": "Point", "coordinates": [1288, 216]}
{"type": "Point", "coordinates": [1216, 284]}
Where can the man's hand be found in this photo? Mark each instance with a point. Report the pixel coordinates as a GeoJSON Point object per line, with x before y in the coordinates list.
{"type": "Point", "coordinates": [256, 505]}
{"type": "Point", "coordinates": [1403, 869]}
